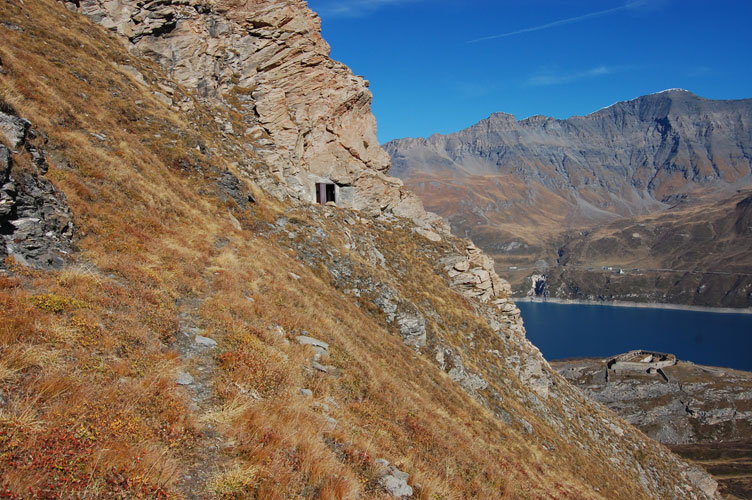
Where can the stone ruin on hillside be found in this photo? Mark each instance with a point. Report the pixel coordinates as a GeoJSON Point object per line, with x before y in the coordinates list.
{"type": "Point", "coordinates": [640, 362]}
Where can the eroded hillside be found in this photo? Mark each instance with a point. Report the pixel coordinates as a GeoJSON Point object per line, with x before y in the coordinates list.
{"type": "Point", "coordinates": [696, 254]}
{"type": "Point", "coordinates": [206, 332]}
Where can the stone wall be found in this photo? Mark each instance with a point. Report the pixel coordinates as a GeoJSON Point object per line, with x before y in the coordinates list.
{"type": "Point", "coordinates": [653, 361]}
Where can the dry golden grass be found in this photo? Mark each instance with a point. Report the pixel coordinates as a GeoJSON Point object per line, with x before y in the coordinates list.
{"type": "Point", "coordinates": [88, 354]}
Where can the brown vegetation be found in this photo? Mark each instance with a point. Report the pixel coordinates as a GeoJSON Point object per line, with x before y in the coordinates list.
{"type": "Point", "coordinates": [89, 354]}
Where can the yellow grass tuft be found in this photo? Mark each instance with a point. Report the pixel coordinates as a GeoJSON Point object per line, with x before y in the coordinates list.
{"type": "Point", "coordinates": [233, 483]}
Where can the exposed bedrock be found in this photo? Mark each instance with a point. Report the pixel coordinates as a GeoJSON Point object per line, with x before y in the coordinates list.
{"type": "Point", "coordinates": [307, 116]}
{"type": "Point", "coordinates": [36, 224]}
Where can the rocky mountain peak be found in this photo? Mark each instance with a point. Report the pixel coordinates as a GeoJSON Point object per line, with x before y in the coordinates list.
{"type": "Point", "coordinates": [630, 157]}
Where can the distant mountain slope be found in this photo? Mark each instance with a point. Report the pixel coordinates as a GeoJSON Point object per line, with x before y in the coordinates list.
{"type": "Point", "coordinates": [698, 254]}
{"type": "Point", "coordinates": [519, 188]}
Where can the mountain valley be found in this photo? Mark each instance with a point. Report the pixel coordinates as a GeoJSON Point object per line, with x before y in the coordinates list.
{"type": "Point", "coordinates": [646, 200]}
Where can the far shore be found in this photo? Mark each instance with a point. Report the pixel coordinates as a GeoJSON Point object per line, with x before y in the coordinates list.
{"type": "Point", "coordinates": [646, 305]}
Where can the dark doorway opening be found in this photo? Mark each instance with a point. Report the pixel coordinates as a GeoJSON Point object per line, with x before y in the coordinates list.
{"type": "Point", "coordinates": [325, 193]}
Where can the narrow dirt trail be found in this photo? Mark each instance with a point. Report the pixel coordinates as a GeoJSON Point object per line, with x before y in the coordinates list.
{"type": "Point", "coordinates": [196, 376]}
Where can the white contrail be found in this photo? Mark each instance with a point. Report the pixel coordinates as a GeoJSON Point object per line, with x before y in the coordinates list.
{"type": "Point", "coordinates": [562, 22]}
{"type": "Point", "coordinates": [355, 8]}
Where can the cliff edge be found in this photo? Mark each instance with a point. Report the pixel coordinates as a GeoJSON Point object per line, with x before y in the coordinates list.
{"type": "Point", "coordinates": [308, 116]}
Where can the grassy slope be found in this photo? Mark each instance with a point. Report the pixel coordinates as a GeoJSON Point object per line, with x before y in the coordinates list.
{"type": "Point", "coordinates": [89, 355]}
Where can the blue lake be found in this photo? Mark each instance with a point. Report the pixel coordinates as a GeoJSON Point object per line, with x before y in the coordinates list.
{"type": "Point", "coordinates": [575, 330]}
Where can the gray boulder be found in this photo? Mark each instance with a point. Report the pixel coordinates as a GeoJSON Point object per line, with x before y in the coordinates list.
{"type": "Point", "coordinates": [205, 341]}
{"type": "Point", "coordinates": [184, 378]}
{"type": "Point", "coordinates": [14, 129]}
{"type": "Point", "coordinates": [412, 326]}
{"type": "Point", "coordinates": [316, 343]}
{"type": "Point", "coordinates": [393, 480]}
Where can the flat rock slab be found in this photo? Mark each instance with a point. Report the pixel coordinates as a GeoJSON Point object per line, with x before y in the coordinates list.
{"type": "Point", "coordinates": [331, 370]}
{"type": "Point", "coordinates": [305, 340]}
{"type": "Point", "coordinates": [428, 234]}
{"type": "Point", "coordinates": [205, 341]}
{"type": "Point", "coordinates": [184, 378]}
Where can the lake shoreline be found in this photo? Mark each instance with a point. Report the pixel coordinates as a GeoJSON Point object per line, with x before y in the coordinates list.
{"type": "Point", "coordinates": [643, 305]}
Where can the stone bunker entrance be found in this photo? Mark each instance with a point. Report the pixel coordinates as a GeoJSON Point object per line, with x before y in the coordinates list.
{"type": "Point", "coordinates": [325, 192]}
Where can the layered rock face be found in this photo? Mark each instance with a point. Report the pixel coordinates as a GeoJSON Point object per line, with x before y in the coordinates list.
{"type": "Point", "coordinates": [630, 158]}
{"type": "Point", "coordinates": [36, 224]}
{"type": "Point", "coordinates": [307, 116]}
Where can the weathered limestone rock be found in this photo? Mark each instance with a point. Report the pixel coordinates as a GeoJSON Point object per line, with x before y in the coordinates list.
{"type": "Point", "coordinates": [412, 327]}
{"type": "Point", "coordinates": [205, 341]}
{"type": "Point", "coordinates": [474, 276]}
{"type": "Point", "coordinates": [703, 481]}
{"type": "Point", "coordinates": [428, 234]}
{"type": "Point", "coordinates": [469, 381]}
{"type": "Point", "coordinates": [316, 343]}
{"type": "Point", "coordinates": [309, 115]}
{"type": "Point", "coordinates": [386, 300]}
{"type": "Point", "coordinates": [533, 373]}
{"type": "Point", "coordinates": [14, 129]}
{"type": "Point", "coordinates": [393, 480]}
{"type": "Point", "coordinates": [184, 378]}
{"type": "Point", "coordinates": [462, 266]}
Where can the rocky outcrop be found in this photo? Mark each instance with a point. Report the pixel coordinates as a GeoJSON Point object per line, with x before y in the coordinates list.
{"type": "Point", "coordinates": [473, 275]}
{"type": "Point", "coordinates": [393, 480]}
{"type": "Point", "coordinates": [684, 403]}
{"type": "Point", "coordinates": [412, 326]}
{"type": "Point", "coordinates": [307, 116]}
{"type": "Point", "coordinates": [36, 224]}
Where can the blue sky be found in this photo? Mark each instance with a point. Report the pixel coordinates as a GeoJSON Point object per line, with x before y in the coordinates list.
{"type": "Point", "coordinates": [442, 65]}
